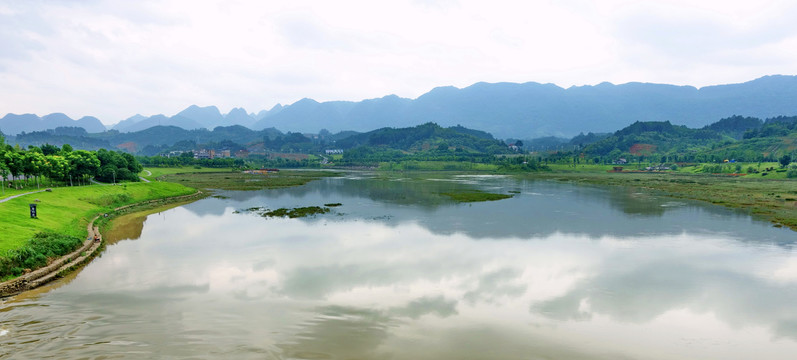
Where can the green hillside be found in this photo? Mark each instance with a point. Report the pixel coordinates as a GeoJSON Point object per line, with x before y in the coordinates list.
{"type": "Point", "coordinates": [429, 136]}
{"type": "Point", "coordinates": [739, 138]}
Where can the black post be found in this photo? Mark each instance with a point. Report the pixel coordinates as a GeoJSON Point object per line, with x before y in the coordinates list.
{"type": "Point", "coordinates": [32, 211]}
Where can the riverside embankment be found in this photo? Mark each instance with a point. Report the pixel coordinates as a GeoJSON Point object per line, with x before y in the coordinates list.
{"type": "Point", "coordinates": [68, 211]}
{"type": "Point", "coordinates": [85, 252]}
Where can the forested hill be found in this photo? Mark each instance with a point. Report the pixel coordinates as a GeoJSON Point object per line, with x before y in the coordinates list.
{"type": "Point", "coordinates": [741, 138]}
{"type": "Point", "coordinates": [156, 138]}
{"type": "Point", "coordinates": [425, 137]}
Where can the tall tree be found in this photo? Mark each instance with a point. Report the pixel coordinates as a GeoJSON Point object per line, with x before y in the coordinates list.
{"type": "Point", "coordinates": [58, 168]}
{"type": "Point", "coordinates": [15, 163]}
{"type": "Point", "coordinates": [785, 160]}
{"type": "Point", "coordinates": [35, 164]}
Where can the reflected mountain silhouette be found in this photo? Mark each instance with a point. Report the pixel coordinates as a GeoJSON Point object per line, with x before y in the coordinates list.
{"type": "Point", "coordinates": [538, 208]}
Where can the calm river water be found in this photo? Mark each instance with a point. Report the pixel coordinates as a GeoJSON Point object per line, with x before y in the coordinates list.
{"type": "Point", "coordinates": [397, 271]}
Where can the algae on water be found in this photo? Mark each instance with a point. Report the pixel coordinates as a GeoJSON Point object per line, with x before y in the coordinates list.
{"type": "Point", "coordinates": [290, 213]}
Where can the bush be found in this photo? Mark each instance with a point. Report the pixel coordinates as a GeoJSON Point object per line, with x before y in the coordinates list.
{"type": "Point", "coordinates": [110, 199]}
{"type": "Point", "coordinates": [36, 253]}
{"type": "Point", "coordinates": [791, 174]}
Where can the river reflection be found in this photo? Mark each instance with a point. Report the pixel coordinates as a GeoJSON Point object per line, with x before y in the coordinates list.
{"type": "Point", "coordinates": [558, 271]}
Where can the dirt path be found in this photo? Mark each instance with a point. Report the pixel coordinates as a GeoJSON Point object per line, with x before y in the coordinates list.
{"type": "Point", "coordinates": [18, 195]}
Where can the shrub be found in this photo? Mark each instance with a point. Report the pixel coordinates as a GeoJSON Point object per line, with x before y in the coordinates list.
{"type": "Point", "coordinates": [791, 174]}
{"type": "Point", "coordinates": [111, 199]}
{"type": "Point", "coordinates": [36, 253]}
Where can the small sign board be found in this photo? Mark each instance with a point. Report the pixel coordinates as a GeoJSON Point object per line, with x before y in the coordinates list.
{"type": "Point", "coordinates": [32, 211]}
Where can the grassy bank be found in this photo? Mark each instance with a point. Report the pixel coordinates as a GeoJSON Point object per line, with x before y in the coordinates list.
{"type": "Point", "coordinates": [772, 199]}
{"type": "Point", "coordinates": [64, 213]}
{"type": "Point", "coordinates": [153, 173]}
{"type": "Point", "coordinates": [67, 210]}
{"type": "Point", "coordinates": [759, 170]}
{"type": "Point", "coordinates": [36, 252]}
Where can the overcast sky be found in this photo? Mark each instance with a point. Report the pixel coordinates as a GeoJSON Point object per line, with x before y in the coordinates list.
{"type": "Point", "coordinates": [113, 59]}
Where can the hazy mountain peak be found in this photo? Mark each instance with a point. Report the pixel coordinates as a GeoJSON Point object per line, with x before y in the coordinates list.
{"type": "Point", "coordinates": [305, 101]}
{"type": "Point", "coordinates": [239, 116]}
{"type": "Point", "coordinates": [56, 117]}
{"type": "Point", "coordinates": [91, 124]}
{"type": "Point", "coordinates": [208, 116]}
{"type": "Point", "coordinates": [195, 110]}
{"type": "Point", "coordinates": [237, 110]}
{"type": "Point", "coordinates": [137, 117]}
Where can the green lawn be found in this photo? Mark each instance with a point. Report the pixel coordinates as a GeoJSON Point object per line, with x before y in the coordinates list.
{"type": "Point", "coordinates": [67, 210]}
{"type": "Point", "coordinates": [160, 171]}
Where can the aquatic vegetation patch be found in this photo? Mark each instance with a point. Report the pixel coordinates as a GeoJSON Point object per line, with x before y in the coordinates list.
{"type": "Point", "coordinates": [290, 213]}
{"type": "Point", "coordinates": [475, 196]}
{"type": "Point", "coordinates": [333, 204]}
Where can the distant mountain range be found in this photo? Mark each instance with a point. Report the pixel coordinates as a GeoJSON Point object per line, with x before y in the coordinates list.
{"type": "Point", "coordinates": [157, 136]}
{"type": "Point", "coordinates": [13, 124]}
{"type": "Point", "coordinates": [504, 109]}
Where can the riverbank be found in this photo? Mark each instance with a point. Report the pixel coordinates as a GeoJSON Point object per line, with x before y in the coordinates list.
{"type": "Point", "coordinates": [68, 209]}
{"type": "Point", "coordinates": [94, 241]}
{"type": "Point", "coordinates": [58, 267]}
{"type": "Point", "coordinates": [774, 200]}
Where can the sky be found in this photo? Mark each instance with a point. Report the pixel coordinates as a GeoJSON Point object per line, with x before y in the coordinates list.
{"type": "Point", "coordinates": [114, 59]}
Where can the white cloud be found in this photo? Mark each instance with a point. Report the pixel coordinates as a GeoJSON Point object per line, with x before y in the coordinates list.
{"type": "Point", "coordinates": [114, 59]}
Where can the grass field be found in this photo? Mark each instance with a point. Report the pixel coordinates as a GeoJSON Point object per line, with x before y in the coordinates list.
{"type": "Point", "coordinates": [67, 210]}
{"type": "Point", "coordinates": [240, 181]}
{"type": "Point", "coordinates": [776, 173]}
{"type": "Point", "coordinates": [153, 173]}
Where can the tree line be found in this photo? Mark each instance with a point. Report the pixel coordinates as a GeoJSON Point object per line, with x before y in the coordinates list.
{"type": "Point", "coordinates": [20, 167]}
